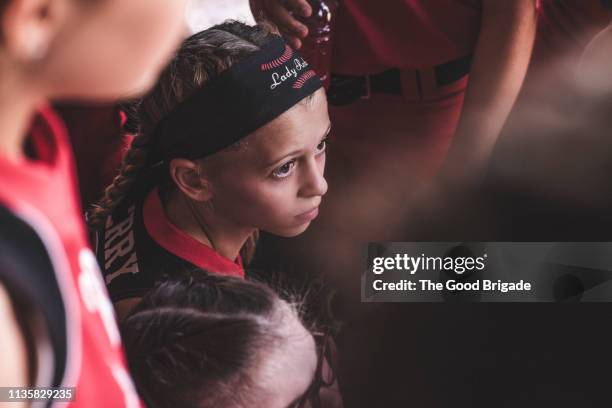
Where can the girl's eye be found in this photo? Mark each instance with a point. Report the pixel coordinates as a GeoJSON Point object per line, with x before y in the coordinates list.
{"type": "Point", "coordinates": [284, 170]}
{"type": "Point", "coordinates": [322, 146]}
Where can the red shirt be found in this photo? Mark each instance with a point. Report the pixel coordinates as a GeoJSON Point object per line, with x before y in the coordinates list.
{"type": "Point", "coordinates": [42, 192]}
{"type": "Point", "coordinates": [372, 36]}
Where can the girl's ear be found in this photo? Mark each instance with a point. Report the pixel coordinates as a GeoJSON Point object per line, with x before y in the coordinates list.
{"type": "Point", "coordinates": [188, 178]}
{"type": "Point", "coordinates": [30, 26]}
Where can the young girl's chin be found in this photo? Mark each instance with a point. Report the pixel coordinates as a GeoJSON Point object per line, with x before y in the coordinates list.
{"type": "Point", "coordinates": [292, 231]}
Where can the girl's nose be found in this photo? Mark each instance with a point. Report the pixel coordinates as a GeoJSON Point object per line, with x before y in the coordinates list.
{"type": "Point", "coordinates": [314, 184]}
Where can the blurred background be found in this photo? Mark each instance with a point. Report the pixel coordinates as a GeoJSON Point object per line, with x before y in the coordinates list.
{"type": "Point", "coordinates": [202, 14]}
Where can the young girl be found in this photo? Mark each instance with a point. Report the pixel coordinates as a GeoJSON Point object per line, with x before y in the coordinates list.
{"type": "Point", "coordinates": [232, 140]}
{"type": "Point", "coordinates": [57, 323]}
{"type": "Point", "coordinates": [215, 341]}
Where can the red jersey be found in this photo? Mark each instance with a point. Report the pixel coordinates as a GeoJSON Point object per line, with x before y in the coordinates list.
{"type": "Point", "coordinates": [372, 36]}
{"type": "Point", "coordinates": [139, 245]}
{"type": "Point", "coordinates": [42, 193]}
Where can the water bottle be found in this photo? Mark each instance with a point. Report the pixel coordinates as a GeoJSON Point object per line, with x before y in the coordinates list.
{"type": "Point", "coordinates": [317, 46]}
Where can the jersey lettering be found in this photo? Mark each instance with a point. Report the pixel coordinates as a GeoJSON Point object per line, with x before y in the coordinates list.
{"type": "Point", "coordinates": [122, 248]}
{"type": "Point", "coordinates": [130, 266]}
{"type": "Point", "coordinates": [114, 232]}
{"type": "Point", "coordinates": [95, 296]}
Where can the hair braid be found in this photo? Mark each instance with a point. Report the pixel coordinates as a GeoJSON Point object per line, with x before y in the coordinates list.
{"type": "Point", "coordinates": [197, 340]}
{"type": "Point", "coordinates": [133, 163]}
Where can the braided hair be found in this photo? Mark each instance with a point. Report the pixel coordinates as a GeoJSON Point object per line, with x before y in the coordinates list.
{"type": "Point", "coordinates": [201, 58]}
{"type": "Point", "coordinates": [196, 340]}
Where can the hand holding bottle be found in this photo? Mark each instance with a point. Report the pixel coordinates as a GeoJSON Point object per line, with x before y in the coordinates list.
{"type": "Point", "coordinates": [307, 25]}
{"type": "Point", "coordinates": [286, 14]}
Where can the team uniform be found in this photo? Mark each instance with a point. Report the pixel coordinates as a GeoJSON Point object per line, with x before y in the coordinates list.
{"type": "Point", "coordinates": [139, 245]}
{"type": "Point", "coordinates": [50, 272]}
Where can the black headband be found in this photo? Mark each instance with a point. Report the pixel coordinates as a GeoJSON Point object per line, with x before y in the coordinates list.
{"type": "Point", "coordinates": [239, 101]}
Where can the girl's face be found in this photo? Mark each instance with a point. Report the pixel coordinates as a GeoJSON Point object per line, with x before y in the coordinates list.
{"type": "Point", "coordinates": [275, 182]}
{"type": "Point", "coordinates": [112, 48]}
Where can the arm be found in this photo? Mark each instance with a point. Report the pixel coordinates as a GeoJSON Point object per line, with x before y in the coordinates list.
{"type": "Point", "coordinates": [13, 355]}
{"type": "Point", "coordinates": [502, 55]}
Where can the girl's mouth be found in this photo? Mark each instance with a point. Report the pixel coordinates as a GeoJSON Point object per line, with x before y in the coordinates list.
{"type": "Point", "coordinates": [309, 215]}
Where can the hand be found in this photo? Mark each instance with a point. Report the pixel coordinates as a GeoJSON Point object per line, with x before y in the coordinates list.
{"type": "Point", "coordinates": [283, 13]}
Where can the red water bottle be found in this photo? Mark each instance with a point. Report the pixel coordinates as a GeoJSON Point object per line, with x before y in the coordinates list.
{"type": "Point", "coordinates": [317, 46]}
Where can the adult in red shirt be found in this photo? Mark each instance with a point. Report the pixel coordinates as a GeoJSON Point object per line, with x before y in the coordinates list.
{"type": "Point", "coordinates": [57, 322]}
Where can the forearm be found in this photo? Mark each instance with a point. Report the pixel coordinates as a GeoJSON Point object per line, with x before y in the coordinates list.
{"type": "Point", "coordinates": [13, 354]}
{"type": "Point", "coordinates": [499, 66]}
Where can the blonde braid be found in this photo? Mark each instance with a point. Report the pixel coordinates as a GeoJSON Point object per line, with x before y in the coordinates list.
{"type": "Point", "coordinates": [132, 165]}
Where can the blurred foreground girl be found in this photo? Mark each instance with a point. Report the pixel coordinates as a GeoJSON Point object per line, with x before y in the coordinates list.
{"type": "Point", "coordinates": [57, 324]}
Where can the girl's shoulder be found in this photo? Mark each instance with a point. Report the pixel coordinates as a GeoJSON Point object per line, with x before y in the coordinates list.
{"type": "Point", "coordinates": [31, 281]}
{"type": "Point", "coordinates": [130, 258]}
{"type": "Point", "coordinates": [116, 242]}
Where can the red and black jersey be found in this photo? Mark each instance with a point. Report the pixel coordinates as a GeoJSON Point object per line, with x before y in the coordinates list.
{"type": "Point", "coordinates": [44, 240]}
{"type": "Point", "coordinates": [139, 245]}
{"type": "Point", "coordinates": [26, 271]}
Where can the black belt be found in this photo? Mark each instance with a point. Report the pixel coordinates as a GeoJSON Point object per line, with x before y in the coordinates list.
{"type": "Point", "coordinates": [346, 89]}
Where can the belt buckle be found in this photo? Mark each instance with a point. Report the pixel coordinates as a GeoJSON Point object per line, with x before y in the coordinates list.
{"type": "Point", "coordinates": [368, 89]}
